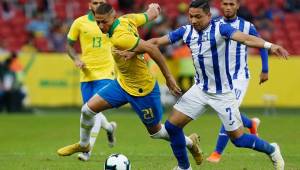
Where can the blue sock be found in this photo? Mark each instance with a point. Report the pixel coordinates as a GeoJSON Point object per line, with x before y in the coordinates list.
{"type": "Point", "coordinates": [178, 144]}
{"type": "Point", "coordinates": [246, 121]}
{"type": "Point", "coordinates": [222, 140]}
{"type": "Point", "coordinates": [253, 142]}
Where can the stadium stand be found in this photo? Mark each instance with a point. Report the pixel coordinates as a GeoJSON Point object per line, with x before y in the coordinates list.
{"type": "Point", "coordinates": [23, 21]}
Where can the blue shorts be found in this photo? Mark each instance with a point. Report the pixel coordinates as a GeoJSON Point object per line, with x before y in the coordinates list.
{"type": "Point", "coordinates": [148, 108]}
{"type": "Point", "coordinates": [88, 89]}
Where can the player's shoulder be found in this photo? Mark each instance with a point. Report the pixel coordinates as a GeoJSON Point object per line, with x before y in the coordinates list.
{"type": "Point", "coordinates": [129, 16]}
{"type": "Point", "coordinates": [245, 21]}
{"type": "Point", "coordinates": [186, 27]}
{"type": "Point", "coordinates": [218, 19]}
{"type": "Point", "coordinates": [217, 22]}
{"type": "Point", "coordinates": [80, 19]}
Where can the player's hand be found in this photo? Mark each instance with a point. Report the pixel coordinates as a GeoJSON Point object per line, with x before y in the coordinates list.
{"type": "Point", "coordinates": [126, 54]}
{"type": "Point", "coordinates": [279, 51]}
{"type": "Point", "coordinates": [263, 77]}
{"type": "Point", "coordinates": [153, 41]}
{"type": "Point", "coordinates": [154, 8]}
{"type": "Point", "coordinates": [173, 87]}
{"type": "Point", "coordinates": [79, 64]}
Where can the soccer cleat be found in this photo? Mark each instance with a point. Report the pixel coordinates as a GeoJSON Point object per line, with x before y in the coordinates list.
{"type": "Point", "coordinates": [85, 156]}
{"type": "Point", "coordinates": [214, 157]}
{"type": "Point", "coordinates": [111, 135]}
{"type": "Point", "coordinates": [71, 149]}
{"type": "Point", "coordinates": [195, 149]}
{"type": "Point", "coordinates": [255, 125]}
{"type": "Point", "coordinates": [276, 158]}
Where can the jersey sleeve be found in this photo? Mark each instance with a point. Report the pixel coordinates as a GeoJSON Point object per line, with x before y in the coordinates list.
{"type": "Point", "coordinates": [177, 34]}
{"type": "Point", "coordinates": [138, 19]}
{"type": "Point", "coordinates": [252, 31]}
{"type": "Point", "coordinates": [227, 30]}
{"type": "Point", "coordinates": [125, 41]}
{"type": "Point", "coordinates": [262, 51]}
{"type": "Point", "coordinates": [73, 32]}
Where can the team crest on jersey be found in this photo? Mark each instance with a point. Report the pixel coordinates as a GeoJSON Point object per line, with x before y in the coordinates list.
{"type": "Point", "coordinates": [205, 37]}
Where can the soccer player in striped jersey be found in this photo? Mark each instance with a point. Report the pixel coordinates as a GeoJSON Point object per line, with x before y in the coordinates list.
{"type": "Point", "coordinates": [208, 41]}
{"type": "Point", "coordinates": [238, 66]}
{"type": "Point", "coordinates": [134, 84]}
{"type": "Point", "coordinates": [96, 66]}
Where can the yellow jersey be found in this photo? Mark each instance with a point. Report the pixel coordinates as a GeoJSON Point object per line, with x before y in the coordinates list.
{"type": "Point", "coordinates": [95, 49]}
{"type": "Point", "coordinates": [133, 75]}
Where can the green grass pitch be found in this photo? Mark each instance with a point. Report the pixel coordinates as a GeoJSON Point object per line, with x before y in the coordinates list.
{"type": "Point", "coordinates": [30, 141]}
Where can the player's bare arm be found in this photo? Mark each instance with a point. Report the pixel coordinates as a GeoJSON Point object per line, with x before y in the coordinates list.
{"type": "Point", "coordinates": [164, 40]}
{"type": "Point", "coordinates": [155, 54]}
{"type": "Point", "coordinates": [125, 53]}
{"type": "Point", "coordinates": [73, 55]}
{"type": "Point", "coordinates": [256, 42]}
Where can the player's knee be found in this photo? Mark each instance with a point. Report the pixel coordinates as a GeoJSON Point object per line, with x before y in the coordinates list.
{"type": "Point", "coordinates": [161, 134]}
{"type": "Point", "coordinates": [238, 142]}
{"type": "Point", "coordinates": [87, 112]}
{"type": "Point", "coordinates": [172, 129]}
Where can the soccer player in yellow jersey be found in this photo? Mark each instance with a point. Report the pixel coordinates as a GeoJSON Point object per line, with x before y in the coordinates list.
{"type": "Point", "coordinates": [96, 67]}
{"type": "Point", "coordinates": [134, 84]}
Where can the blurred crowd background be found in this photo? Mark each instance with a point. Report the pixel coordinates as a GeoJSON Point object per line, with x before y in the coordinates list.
{"type": "Point", "coordinates": [41, 26]}
{"type": "Point", "coordinates": [43, 23]}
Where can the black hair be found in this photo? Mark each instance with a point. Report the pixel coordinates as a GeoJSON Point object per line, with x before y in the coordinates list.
{"type": "Point", "coordinates": [202, 4]}
{"type": "Point", "coordinates": [104, 9]}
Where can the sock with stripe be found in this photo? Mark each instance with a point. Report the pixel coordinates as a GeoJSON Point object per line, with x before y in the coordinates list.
{"type": "Point", "coordinates": [222, 140]}
{"type": "Point", "coordinates": [253, 142]}
{"type": "Point", "coordinates": [246, 121]}
{"type": "Point", "coordinates": [178, 144]}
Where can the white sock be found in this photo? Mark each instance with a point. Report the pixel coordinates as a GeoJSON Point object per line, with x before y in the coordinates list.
{"type": "Point", "coordinates": [188, 141]}
{"type": "Point", "coordinates": [86, 123]}
{"type": "Point", "coordinates": [95, 131]}
{"type": "Point", "coordinates": [104, 123]}
{"type": "Point", "coordinates": [163, 134]}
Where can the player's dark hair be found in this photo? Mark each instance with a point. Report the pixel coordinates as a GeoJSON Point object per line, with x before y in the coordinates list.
{"type": "Point", "coordinates": [104, 9]}
{"type": "Point", "coordinates": [202, 4]}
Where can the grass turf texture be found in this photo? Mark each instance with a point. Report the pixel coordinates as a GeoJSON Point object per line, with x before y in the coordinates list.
{"type": "Point", "coordinates": [30, 141]}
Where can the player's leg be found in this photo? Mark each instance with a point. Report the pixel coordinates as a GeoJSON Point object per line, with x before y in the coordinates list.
{"type": "Point", "coordinates": [149, 109]}
{"type": "Point", "coordinates": [87, 91]}
{"type": "Point", "coordinates": [229, 114]}
{"type": "Point", "coordinates": [174, 126]}
{"type": "Point", "coordinates": [220, 146]}
{"type": "Point", "coordinates": [240, 88]}
{"type": "Point", "coordinates": [94, 133]}
{"type": "Point", "coordinates": [110, 127]}
{"type": "Point", "coordinates": [243, 140]}
{"type": "Point", "coordinates": [161, 133]}
{"type": "Point", "coordinates": [192, 142]}
{"type": "Point", "coordinates": [106, 98]}
{"type": "Point", "coordinates": [191, 105]}
{"type": "Point", "coordinates": [87, 120]}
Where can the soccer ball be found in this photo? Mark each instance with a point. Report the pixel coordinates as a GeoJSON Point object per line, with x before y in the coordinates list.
{"type": "Point", "coordinates": [117, 162]}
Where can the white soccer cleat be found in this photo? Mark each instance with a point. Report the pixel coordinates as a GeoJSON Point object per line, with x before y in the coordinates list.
{"type": "Point", "coordinates": [276, 158]}
{"type": "Point", "coordinates": [178, 168]}
{"type": "Point", "coordinates": [111, 136]}
{"type": "Point", "coordinates": [84, 156]}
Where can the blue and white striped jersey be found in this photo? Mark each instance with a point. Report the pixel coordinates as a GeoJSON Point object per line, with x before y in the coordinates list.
{"type": "Point", "coordinates": [209, 53]}
{"type": "Point", "coordinates": [238, 60]}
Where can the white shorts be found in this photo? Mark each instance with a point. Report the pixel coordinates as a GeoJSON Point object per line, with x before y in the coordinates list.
{"type": "Point", "coordinates": [240, 88]}
{"type": "Point", "coordinates": [195, 101]}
